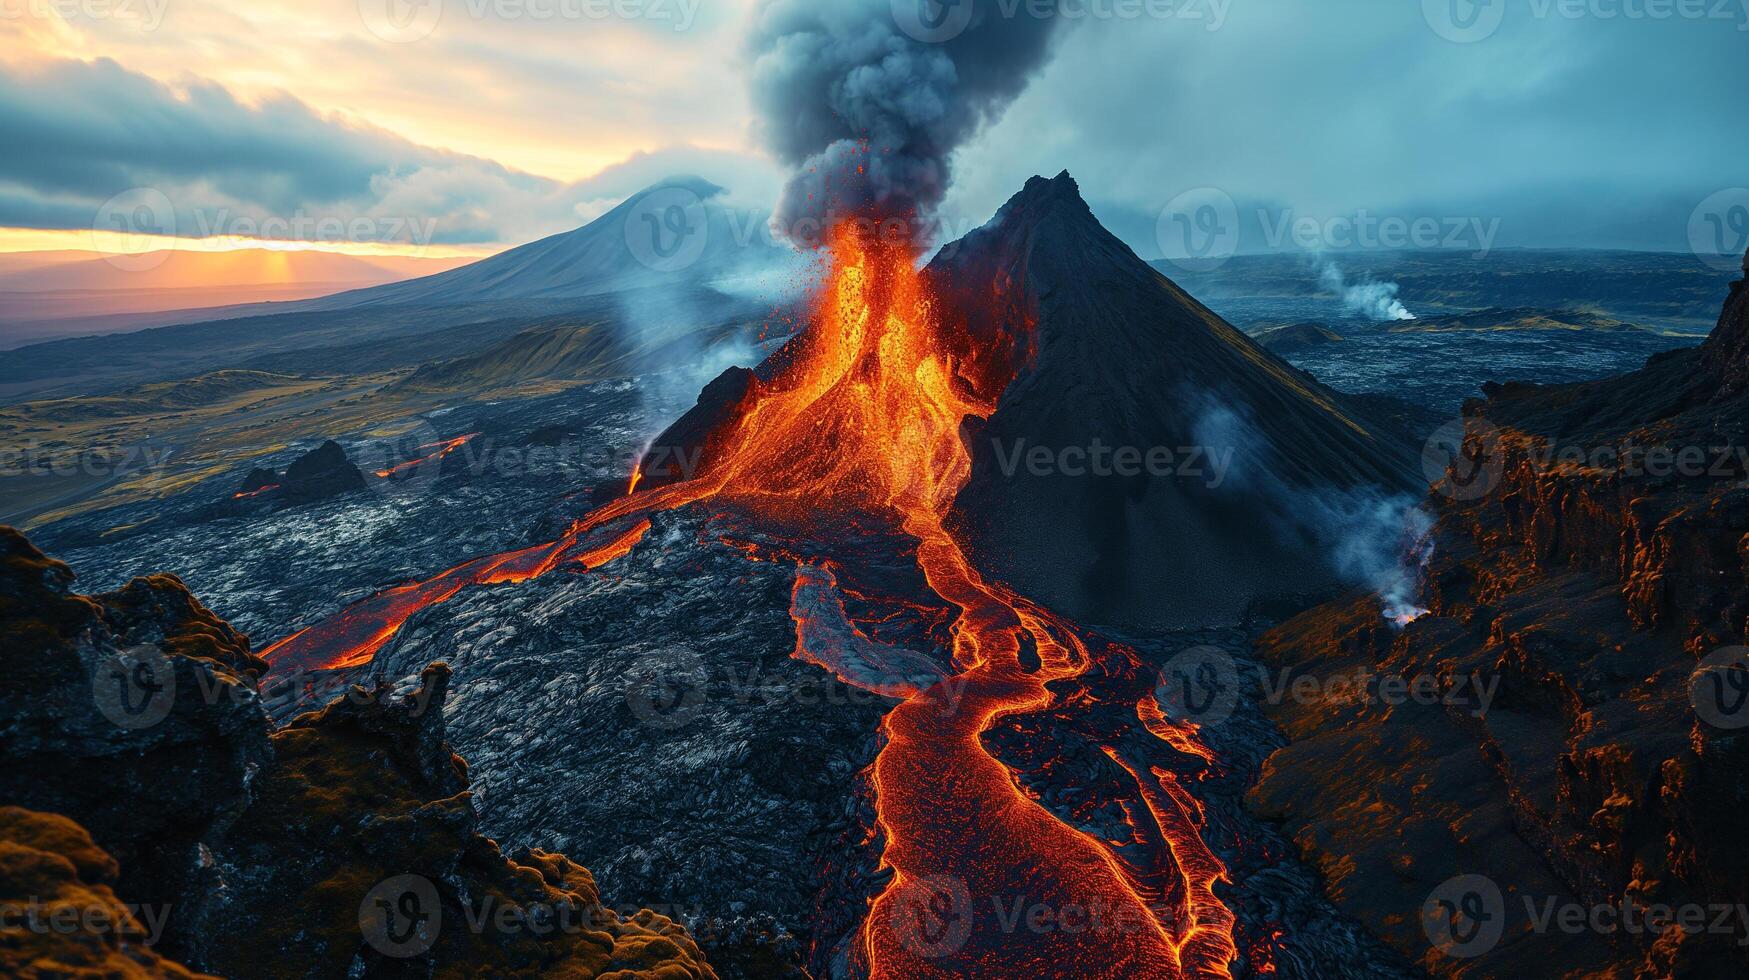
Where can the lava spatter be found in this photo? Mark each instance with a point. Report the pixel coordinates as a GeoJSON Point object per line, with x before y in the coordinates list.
{"type": "Point", "coordinates": [865, 419]}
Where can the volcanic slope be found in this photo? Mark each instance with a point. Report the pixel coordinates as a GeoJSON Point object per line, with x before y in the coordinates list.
{"type": "Point", "coordinates": [1124, 359]}
{"type": "Point", "coordinates": [1222, 464]}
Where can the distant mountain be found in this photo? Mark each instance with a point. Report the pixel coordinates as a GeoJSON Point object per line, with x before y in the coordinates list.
{"type": "Point", "coordinates": [676, 231]}
{"type": "Point", "coordinates": [181, 269]}
{"type": "Point", "coordinates": [610, 271]}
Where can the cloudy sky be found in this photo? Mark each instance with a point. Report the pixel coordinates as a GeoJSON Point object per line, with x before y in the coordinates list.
{"type": "Point", "coordinates": [470, 125]}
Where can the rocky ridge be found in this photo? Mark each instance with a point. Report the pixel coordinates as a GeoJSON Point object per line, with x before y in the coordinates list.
{"type": "Point", "coordinates": [344, 844]}
{"type": "Point", "coordinates": [1589, 601]}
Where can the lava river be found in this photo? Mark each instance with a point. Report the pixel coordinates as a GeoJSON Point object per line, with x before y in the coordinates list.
{"type": "Point", "coordinates": [864, 421]}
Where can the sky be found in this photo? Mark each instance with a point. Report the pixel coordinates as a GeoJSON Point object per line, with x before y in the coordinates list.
{"type": "Point", "coordinates": [455, 127]}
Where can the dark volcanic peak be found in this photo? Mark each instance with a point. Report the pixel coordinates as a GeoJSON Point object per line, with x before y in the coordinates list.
{"type": "Point", "coordinates": [1139, 441]}
{"type": "Point", "coordinates": [1219, 437]}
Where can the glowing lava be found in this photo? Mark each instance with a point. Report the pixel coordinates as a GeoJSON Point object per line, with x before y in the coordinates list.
{"type": "Point", "coordinates": [865, 421]}
{"type": "Point", "coordinates": [438, 451]}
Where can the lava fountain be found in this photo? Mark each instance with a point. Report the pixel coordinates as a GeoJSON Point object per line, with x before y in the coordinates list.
{"type": "Point", "coordinates": [863, 420]}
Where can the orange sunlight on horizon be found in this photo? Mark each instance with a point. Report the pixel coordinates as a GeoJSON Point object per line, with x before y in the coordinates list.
{"type": "Point", "coordinates": [13, 240]}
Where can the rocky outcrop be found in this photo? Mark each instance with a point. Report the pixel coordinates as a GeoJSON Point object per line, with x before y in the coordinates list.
{"type": "Point", "coordinates": [1583, 743]}
{"type": "Point", "coordinates": [360, 852]}
{"type": "Point", "coordinates": [343, 845]}
{"type": "Point", "coordinates": [317, 475]}
{"type": "Point", "coordinates": [677, 454]}
{"type": "Point", "coordinates": [64, 919]}
{"type": "Point", "coordinates": [321, 473]}
{"type": "Point", "coordinates": [1297, 337]}
{"type": "Point", "coordinates": [133, 712]}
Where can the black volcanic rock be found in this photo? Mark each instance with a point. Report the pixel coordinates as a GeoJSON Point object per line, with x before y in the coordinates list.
{"type": "Point", "coordinates": [1598, 583]}
{"type": "Point", "coordinates": [1298, 337]}
{"type": "Point", "coordinates": [686, 445]}
{"type": "Point", "coordinates": [133, 712]}
{"type": "Point", "coordinates": [1113, 354]}
{"type": "Point", "coordinates": [322, 473]}
{"type": "Point", "coordinates": [264, 850]}
{"type": "Point", "coordinates": [1725, 356]}
{"type": "Point", "coordinates": [258, 480]}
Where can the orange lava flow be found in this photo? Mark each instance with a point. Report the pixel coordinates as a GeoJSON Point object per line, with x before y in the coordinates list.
{"type": "Point", "coordinates": [866, 420]}
{"type": "Point", "coordinates": [254, 493]}
{"type": "Point", "coordinates": [438, 451]}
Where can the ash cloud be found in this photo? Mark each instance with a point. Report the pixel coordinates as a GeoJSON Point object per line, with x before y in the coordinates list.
{"type": "Point", "coordinates": [842, 84]}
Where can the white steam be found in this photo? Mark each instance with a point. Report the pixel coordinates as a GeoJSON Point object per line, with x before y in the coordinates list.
{"type": "Point", "coordinates": [1374, 300]}
{"type": "Point", "coordinates": [1373, 538]}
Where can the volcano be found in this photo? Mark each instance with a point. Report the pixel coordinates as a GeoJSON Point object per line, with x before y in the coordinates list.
{"type": "Point", "coordinates": [704, 241]}
{"type": "Point", "coordinates": [884, 422]}
{"type": "Point", "coordinates": [1147, 464]}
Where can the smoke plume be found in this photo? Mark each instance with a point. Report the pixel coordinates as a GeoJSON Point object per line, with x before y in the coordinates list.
{"type": "Point", "coordinates": [1376, 300]}
{"type": "Point", "coordinates": [852, 83]}
{"type": "Point", "coordinates": [1371, 537]}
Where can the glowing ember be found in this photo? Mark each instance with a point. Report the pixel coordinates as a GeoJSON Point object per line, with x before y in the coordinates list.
{"type": "Point", "coordinates": [866, 420]}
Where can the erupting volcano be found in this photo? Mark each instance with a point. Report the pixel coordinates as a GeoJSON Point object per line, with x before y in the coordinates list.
{"type": "Point", "coordinates": [862, 421]}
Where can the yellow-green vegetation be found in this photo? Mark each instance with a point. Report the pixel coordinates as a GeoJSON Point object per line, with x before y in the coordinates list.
{"type": "Point", "coordinates": [62, 458]}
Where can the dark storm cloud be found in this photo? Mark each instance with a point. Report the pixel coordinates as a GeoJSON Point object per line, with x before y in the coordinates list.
{"type": "Point", "coordinates": [79, 133]}
{"type": "Point", "coordinates": [827, 76]}
{"type": "Point", "coordinates": [1567, 130]}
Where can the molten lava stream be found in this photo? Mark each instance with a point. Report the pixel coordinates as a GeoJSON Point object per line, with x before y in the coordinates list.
{"type": "Point", "coordinates": [865, 420]}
